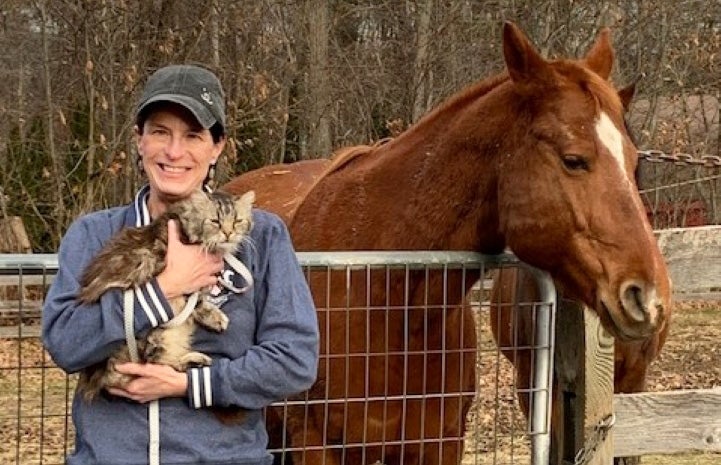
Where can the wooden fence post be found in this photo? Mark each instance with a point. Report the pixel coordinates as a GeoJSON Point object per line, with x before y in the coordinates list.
{"type": "Point", "coordinates": [13, 236]}
{"type": "Point", "coordinates": [583, 393]}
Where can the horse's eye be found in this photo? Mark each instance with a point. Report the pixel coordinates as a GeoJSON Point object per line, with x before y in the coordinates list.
{"type": "Point", "coordinates": [575, 162]}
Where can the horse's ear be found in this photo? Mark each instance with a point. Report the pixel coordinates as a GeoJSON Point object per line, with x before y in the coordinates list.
{"type": "Point", "coordinates": [522, 60]}
{"type": "Point", "coordinates": [626, 95]}
{"type": "Point", "coordinates": [600, 57]}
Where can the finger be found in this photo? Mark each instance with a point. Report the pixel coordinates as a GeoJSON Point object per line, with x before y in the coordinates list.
{"type": "Point", "coordinates": [128, 395]}
{"type": "Point", "coordinates": [130, 368]}
{"type": "Point", "coordinates": [173, 234]}
{"type": "Point", "coordinates": [119, 392]}
{"type": "Point", "coordinates": [218, 265]}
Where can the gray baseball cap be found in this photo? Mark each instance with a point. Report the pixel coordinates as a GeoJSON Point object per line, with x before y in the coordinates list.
{"type": "Point", "coordinates": [193, 87]}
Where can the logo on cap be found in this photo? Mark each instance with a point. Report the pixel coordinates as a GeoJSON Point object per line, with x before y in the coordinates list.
{"type": "Point", "coordinates": [205, 95]}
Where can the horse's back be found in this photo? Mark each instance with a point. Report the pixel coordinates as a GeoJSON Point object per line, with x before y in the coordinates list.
{"type": "Point", "coordinates": [279, 188]}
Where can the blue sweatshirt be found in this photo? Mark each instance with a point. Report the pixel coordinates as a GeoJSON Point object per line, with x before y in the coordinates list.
{"type": "Point", "coordinates": [268, 352]}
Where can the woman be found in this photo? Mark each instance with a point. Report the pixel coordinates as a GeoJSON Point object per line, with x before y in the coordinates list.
{"type": "Point", "coordinates": [270, 349]}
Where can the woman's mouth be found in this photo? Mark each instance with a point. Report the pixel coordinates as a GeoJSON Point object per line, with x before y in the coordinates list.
{"type": "Point", "coordinates": [172, 169]}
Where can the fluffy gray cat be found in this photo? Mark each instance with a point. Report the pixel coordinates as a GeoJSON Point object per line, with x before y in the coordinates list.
{"type": "Point", "coordinates": [220, 223]}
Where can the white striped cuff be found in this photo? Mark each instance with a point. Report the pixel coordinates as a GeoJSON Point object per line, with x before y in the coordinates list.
{"type": "Point", "coordinates": [200, 393]}
{"type": "Point", "coordinates": [147, 297]}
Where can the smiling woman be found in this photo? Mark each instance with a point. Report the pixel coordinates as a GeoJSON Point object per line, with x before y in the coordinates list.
{"type": "Point", "coordinates": [267, 352]}
{"type": "Point", "coordinates": [179, 138]}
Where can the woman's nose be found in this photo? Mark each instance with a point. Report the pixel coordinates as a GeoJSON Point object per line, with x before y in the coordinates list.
{"type": "Point", "coordinates": [175, 148]}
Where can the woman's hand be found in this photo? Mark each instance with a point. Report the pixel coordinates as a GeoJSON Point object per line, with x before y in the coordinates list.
{"type": "Point", "coordinates": [152, 382]}
{"type": "Point", "coordinates": [187, 267]}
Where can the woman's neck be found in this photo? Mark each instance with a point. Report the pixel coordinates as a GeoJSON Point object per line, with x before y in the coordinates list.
{"type": "Point", "coordinates": [157, 205]}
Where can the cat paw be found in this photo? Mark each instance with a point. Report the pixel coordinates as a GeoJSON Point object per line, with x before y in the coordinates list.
{"type": "Point", "coordinates": [220, 322]}
{"type": "Point", "coordinates": [192, 359]}
{"type": "Point", "coordinates": [213, 319]}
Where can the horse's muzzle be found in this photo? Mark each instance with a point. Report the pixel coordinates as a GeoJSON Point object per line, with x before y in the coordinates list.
{"type": "Point", "coordinates": [637, 312]}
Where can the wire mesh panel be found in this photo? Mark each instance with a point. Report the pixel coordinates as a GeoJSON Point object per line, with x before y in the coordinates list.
{"type": "Point", "coordinates": [34, 393]}
{"type": "Point", "coordinates": [415, 364]}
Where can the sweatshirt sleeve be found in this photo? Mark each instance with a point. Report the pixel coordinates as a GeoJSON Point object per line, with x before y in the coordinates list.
{"type": "Point", "coordinates": [77, 335]}
{"type": "Point", "coordinates": [284, 359]}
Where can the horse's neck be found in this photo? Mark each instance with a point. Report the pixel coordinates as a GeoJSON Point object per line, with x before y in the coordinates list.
{"type": "Point", "coordinates": [415, 194]}
{"type": "Point", "coordinates": [445, 188]}
{"type": "Point", "coordinates": [427, 189]}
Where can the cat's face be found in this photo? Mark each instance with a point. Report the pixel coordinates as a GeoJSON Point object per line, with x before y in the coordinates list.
{"type": "Point", "coordinates": [218, 221]}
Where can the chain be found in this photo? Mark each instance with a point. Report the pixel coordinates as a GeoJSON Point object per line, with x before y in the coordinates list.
{"type": "Point", "coordinates": [679, 184]}
{"type": "Point", "coordinates": [657, 156]}
{"type": "Point", "coordinates": [596, 438]}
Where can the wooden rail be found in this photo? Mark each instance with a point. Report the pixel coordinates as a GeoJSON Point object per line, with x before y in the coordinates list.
{"type": "Point", "coordinates": [667, 422]}
{"type": "Point", "coordinates": [693, 256]}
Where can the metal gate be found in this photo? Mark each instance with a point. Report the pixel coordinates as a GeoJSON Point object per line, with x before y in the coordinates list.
{"type": "Point", "coordinates": [410, 370]}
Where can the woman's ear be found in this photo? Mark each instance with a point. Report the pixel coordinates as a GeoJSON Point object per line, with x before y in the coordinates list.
{"type": "Point", "coordinates": [137, 134]}
{"type": "Point", "coordinates": [217, 150]}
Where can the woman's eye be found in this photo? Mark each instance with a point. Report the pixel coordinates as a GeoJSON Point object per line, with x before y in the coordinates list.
{"type": "Point", "coordinates": [575, 162]}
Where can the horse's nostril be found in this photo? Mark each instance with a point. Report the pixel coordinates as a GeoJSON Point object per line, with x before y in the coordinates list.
{"type": "Point", "coordinates": [633, 299]}
{"type": "Point", "coordinates": [634, 293]}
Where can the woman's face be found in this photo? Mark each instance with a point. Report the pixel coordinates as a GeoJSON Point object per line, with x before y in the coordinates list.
{"type": "Point", "coordinates": [176, 153]}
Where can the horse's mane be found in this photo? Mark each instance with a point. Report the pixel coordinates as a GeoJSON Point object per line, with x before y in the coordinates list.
{"type": "Point", "coordinates": [603, 92]}
{"type": "Point", "coordinates": [339, 160]}
{"type": "Point", "coordinates": [345, 155]}
{"type": "Point", "coordinates": [461, 99]}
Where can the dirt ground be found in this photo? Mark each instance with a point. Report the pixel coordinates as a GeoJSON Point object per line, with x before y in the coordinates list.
{"type": "Point", "coordinates": [690, 360]}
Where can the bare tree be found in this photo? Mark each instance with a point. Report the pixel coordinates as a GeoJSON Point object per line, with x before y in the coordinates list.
{"type": "Point", "coordinates": [305, 78]}
{"type": "Point", "coordinates": [317, 90]}
{"type": "Point", "coordinates": [422, 72]}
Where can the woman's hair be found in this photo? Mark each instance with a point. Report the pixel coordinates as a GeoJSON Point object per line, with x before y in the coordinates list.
{"type": "Point", "coordinates": [217, 131]}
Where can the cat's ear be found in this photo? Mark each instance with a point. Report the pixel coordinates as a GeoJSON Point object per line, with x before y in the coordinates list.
{"type": "Point", "coordinates": [246, 200]}
{"type": "Point", "coordinates": [249, 197]}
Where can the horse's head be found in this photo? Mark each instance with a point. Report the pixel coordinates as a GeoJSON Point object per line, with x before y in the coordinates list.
{"type": "Point", "coordinates": [581, 217]}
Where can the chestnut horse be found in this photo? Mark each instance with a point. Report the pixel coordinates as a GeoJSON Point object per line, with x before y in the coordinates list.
{"type": "Point", "coordinates": [536, 159]}
{"type": "Point", "coordinates": [513, 329]}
